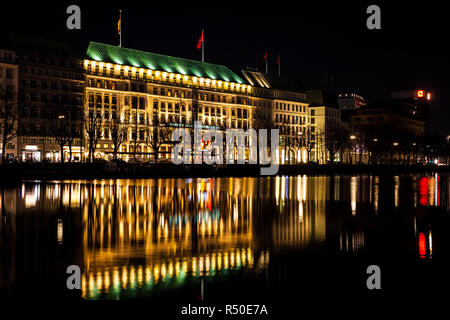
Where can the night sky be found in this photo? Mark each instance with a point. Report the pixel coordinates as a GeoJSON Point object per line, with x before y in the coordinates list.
{"type": "Point", "coordinates": [411, 51]}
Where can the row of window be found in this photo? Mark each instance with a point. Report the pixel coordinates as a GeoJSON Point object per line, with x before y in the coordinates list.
{"type": "Point", "coordinates": [124, 72]}
{"type": "Point", "coordinates": [288, 107]}
{"type": "Point", "coordinates": [9, 73]}
{"type": "Point", "coordinates": [52, 73]}
{"type": "Point", "coordinates": [168, 92]}
{"type": "Point", "coordinates": [290, 119]}
{"type": "Point", "coordinates": [37, 131]}
{"type": "Point", "coordinates": [46, 141]}
{"type": "Point", "coordinates": [46, 113]}
{"type": "Point", "coordinates": [44, 85]}
{"type": "Point", "coordinates": [53, 99]}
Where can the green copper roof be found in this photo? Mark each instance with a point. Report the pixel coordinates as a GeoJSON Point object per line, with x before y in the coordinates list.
{"type": "Point", "coordinates": [141, 59]}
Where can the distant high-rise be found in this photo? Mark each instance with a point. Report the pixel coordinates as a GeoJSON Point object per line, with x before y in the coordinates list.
{"type": "Point", "coordinates": [350, 101]}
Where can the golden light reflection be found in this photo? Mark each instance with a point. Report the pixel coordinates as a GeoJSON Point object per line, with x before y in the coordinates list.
{"type": "Point", "coordinates": [142, 234]}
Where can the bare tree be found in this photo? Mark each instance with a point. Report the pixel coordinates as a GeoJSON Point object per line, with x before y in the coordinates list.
{"type": "Point", "coordinates": [118, 130]}
{"type": "Point", "coordinates": [60, 130]}
{"type": "Point", "coordinates": [8, 116]}
{"type": "Point", "coordinates": [93, 129]}
{"type": "Point", "coordinates": [309, 138]}
{"type": "Point", "coordinates": [73, 133]}
{"type": "Point", "coordinates": [157, 134]}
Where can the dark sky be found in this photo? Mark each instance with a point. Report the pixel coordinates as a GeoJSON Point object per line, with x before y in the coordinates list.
{"type": "Point", "coordinates": [411, 51]}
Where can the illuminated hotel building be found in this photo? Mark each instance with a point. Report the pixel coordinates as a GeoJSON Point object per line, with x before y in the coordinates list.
{"type": "Point", "coordinates": [288, 110]}
{"type": "Point", "coordinates": [137, 86]}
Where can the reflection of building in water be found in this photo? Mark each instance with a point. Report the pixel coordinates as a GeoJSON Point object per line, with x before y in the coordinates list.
{"type": "Point", "coordinates": [429, 190]}
{"type": "Point", "coordinates": [198, 224]}
{"type": "Point", "coordinates": [350, 242]}
{"type": "Point", "coordinates": [301, 202]}
{"type": "Point", "coordinates": [396, 190]}
{"type": "Point", "coordinates": [134, 237]}
{"type": "Point", "coordinates": [425, 245]}
{"type": "Point", "coordinates": [36, 219]}
{"type": "Point", "coordinates": [8, 230]}
{"type": "Point", "coordinates": [110, 279]}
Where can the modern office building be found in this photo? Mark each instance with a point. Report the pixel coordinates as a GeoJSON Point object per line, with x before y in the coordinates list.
{"type": "Point", "coordinates": [350, 101]}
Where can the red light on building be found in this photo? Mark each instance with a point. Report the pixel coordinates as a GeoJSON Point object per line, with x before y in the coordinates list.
{"type": "Point", "coordinates": [420, 94]}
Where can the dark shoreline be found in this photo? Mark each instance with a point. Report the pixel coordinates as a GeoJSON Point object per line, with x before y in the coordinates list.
{"type": "Point", "coordinates": [46, 171]}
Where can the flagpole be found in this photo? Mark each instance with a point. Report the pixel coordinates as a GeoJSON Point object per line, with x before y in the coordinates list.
{"type": "Point", "coordinates": [279, 65]}
{"type": "Point", "coordinates": [267, 65]}
{"type": "Point", "coordinates": [203, 46]}
{"type": "Point", "coordinates": [120, 33]}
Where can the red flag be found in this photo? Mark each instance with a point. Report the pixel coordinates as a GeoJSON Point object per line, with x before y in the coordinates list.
{"type": "Point", "coordinates": [118, 25]}
{"type": "Point", "coordinates": [200, 41]}
{"type": "Point", "coordinates": [265, 56]}
{"type": "Point", "coordinates": [278, 59]}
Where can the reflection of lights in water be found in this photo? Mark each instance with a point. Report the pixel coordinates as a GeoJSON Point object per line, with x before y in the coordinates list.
{"type": "Point", "coordinates": [376, 193]}
{"type": "Point", "coordinates": [430, 243]}
{"type": "Point", "coordinates": [31, 195]}
{"type": "Point", "coordinates": [351, 242]}
{"type": "Point", "coordinates": [353, 192]}
{"type": "Point", "coordinates": [300, 211]}
{"type": "Point", "coordinates": [431, 191]}
{"type": "Point", "coordinates": [422, 246]}
{"type": "Point", "coordinates": [59, 231]}
{"type": "Point", "coordinates": [235, 212]}
{"type": "Point", "coordinates": [436, 190]}
{"type": "Point", "coordinates": [337, 187]}
{"type": "Point", "coordinates": [396, 190]}
{"type": "Point", "coordinates": [423, 191]}
{"type": "Point", "coordinates": [127, 279]}
{"type": "Point", "coordinates": [277, 188]}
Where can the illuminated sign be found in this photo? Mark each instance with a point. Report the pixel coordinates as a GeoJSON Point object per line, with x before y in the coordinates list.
{"type": "Point", "coordinates": [420, 93]}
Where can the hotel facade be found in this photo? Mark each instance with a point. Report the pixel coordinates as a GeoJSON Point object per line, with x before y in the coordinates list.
{"type": "Point", "coordinates": [143, 89]}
